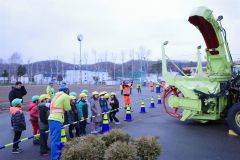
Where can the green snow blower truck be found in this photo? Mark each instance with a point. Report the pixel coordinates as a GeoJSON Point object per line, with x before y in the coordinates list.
{"type": "Point", "coordinates": [211, 95]}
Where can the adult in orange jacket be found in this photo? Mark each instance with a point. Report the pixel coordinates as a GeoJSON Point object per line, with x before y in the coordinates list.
{"type": "Point", "coordinates": [126, 94]}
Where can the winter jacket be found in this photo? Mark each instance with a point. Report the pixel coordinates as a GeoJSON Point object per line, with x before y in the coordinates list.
{"type": "Point", "coordinates": [82, 109]}
{"type": "Point", "coordinates": [103, 104]}
{"type": "Point", "coordinates": [18, 119]}
{"type": "Point", "coordinates": [50, 91]}
{"type": "Point", "coordinates": [60, 101]}
{"type": "Point", "coordinates": [33, 109]}
{"type": "Point", "coordinates": [96, 110]}
{"type": "Point", "coordinates": [114, 104]}
{"type": "Point", "coordinates": [72, 115]}
{"type": "Point", "coordinates": [43, 111]}
{"type": "Point", "coordinates": [16, 93]}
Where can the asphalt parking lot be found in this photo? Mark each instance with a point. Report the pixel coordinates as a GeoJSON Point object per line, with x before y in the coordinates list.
{"type": "Point", "coordinates": [179, 140]}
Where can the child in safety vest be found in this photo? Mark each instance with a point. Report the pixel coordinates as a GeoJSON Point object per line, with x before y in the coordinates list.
{"type": "Point", "coordinates": [18, 122]}
{"type": "Point", "coordinates": [82, 108]}
{"type": "Point", "coordinates": [32, 107]}
{"type": "Point", "coordinates": [43, 110]}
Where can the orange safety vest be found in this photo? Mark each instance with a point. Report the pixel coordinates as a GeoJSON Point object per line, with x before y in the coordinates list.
{"type": "Point", "coordinates": [53, 108]}
{"type": "Point", "coordinates": [126, 90]}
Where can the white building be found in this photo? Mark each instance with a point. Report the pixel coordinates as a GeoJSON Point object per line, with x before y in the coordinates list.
{"type": "Point", "coordinates": [72, 77]}
{"type": "Point", "coordinates": [24, 79]}
{"type": "Point", "coordinates": [42, 79]}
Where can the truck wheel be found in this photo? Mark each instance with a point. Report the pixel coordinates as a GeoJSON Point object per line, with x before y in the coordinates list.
{"type": "Point", "coordinates": [233, 118]}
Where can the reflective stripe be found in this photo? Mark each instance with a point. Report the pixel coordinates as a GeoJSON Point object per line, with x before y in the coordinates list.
{"type": "Point", "coordinates": [105, 119]}
{"type": "Point", "coordinates": [152, 100]}
{"type": "Point", "coordinates": [63, 136]}
{"type": "Point", "coordinates": [128, 111]}
{"type": "Point", "coordinates": [54, 109]}
{"type": "Point", "coordinates": [57, 111]}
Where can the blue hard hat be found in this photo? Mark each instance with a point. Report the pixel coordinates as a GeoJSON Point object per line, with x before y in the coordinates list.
{"type": "Point", "coordinates": [62, 88]}
{"type": "Point", "coordinates": [50, 83]}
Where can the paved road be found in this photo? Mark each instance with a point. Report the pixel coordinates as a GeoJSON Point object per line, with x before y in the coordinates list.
{"type": "Point", "coordinates": [181, 141]}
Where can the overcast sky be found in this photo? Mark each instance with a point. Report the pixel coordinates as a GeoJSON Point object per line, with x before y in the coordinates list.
{"type": "Point", "coordinates": [46, 29]}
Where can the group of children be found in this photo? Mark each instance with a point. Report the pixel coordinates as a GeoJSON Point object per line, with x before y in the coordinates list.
{"type": "Point", "coordinates": [82, 110]}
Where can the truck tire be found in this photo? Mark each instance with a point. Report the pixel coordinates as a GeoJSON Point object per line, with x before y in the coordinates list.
{"type": "Point", "coordinates": [233, 118]}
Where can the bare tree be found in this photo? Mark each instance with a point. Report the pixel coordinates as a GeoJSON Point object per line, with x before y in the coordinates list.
{"type": "Point", "coordinates": [131, 55]}
{"type": "Point", "coordinates": [106, 55]}
{"type": "Point", "coordinates": [14, 59]}
{"type": "Point", "coordinates": [95, 58]}
{"type": "Point", "coordinates": [28, 70]}
{"type": "Point", "coordinates": [56, 64]}
{"type": "Point", "coordinates": [51, 69]}
{"type": "Point", "coordinates": [85, 55]}
{"type": "Point", "coordinates": [114, 65]}
{"type": "Point", "coordinates": [122, 54]}
{"type": "Point", "coordinates": [62, 69]}
{"type": "Point", "coordinates": [1, 61]}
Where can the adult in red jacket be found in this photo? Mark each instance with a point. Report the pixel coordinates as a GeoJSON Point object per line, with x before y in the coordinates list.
{"type": "Point", "coordinates": [33, 110]}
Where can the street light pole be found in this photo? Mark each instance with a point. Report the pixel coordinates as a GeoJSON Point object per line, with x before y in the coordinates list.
{"type": "Point", "coordinates": [80, 38]}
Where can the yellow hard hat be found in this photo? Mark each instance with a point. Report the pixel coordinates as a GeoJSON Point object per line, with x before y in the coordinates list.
{"type": "Point", "coordinates": [106, 95]}
{"type": "Point", "coordinates": [102, 93]}
{"type": "Point", "coordinates": [72, 97]}
{"type": "Point", "coordinates": [44, 96]}
{"type": "Point", "coordinates": [113, 94]}
{"type": "Point", "coordinates": [95, 93]}
{"type": "Point", "coordinates": [82, 95]}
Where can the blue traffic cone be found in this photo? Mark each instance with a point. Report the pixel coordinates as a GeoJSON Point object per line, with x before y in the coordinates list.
{"type": "Point", "coordinates": [128, 114]}
{"type": "Point", "coordinates": [105, 123]}
{"type": "Point", "coordinates": [152, 105]}
{"type": "Point", "coordinates": [159, 99]}
{"type": "Point", "coordinates": [142, 107]}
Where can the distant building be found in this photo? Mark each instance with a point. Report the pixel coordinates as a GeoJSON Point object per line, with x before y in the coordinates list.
{"type": "Point", "coordinates": [24, 79]}
{"type": "Point", "coordinates": [88, 77]}
{"type": "Point", "coordinates": [44, 78]}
